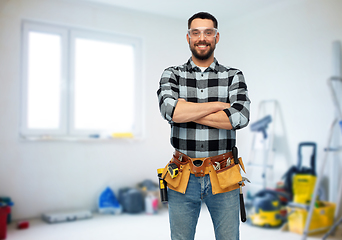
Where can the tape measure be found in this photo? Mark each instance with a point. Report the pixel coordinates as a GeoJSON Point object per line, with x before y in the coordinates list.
{"type": "Point", "coordinates": [173, 170]}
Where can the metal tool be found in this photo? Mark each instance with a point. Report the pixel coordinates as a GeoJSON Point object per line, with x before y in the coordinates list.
{"type": "Point", "coordinates": [242, 203]}
{"type": "Point", "coordinates": [217, 166]}
{"type": "Point", "coordinates": [228, 162]}
{"type": "Point", "coordinates": [173, 170]}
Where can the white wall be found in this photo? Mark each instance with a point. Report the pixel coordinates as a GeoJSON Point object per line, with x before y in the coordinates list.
{"type": "Point", "coordinates": [49, 176]}
{"type": "Point", "coordinates": [284, 52]}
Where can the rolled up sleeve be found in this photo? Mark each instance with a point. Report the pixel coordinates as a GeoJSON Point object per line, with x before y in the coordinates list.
{"type": "Point", "coordinates": [238, 113]}
{"type": "Point", "coordinates": [168, 93]}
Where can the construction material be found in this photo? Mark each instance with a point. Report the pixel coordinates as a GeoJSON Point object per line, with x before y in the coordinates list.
{"type": "Point", "coordinates": [23, 225]}
{"type": "Point", "coordinates": [131, 200]}
{"type": "Point", "coordinates": [4, 211]}
{"type": "Point", "coordinates": [321, 220]}
{"type": "Point", "coordinates": [57, 217]}
{"type": "Point", "coordinates": [108, 203]}
{"type": "Point", "coordinates": [329, 149]}
{"type": "Point", "coordinates": [333, 229]}
{"type": "Point", "coordinates": [151, 204]}
{"type": "Point", "coordinates": [6, 201]}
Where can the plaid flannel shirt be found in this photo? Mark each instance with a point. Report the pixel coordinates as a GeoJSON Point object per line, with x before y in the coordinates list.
{"type": "Point", "coordinates": [216, 83]}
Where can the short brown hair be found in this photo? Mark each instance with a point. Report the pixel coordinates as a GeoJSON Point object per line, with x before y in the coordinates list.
{"type": "Point", "coordinates": [203, 15]}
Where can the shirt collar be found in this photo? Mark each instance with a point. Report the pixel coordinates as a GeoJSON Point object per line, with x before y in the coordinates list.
{"type": "Point", "coordinates": [214, 66]}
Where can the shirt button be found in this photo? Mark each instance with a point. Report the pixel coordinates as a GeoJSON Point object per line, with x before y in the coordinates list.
{"type": "Point", "coordinates": [202, 90]}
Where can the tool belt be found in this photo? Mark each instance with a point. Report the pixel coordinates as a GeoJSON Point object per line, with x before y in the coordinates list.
{"type": "Point", "coordinates": [223, 170]}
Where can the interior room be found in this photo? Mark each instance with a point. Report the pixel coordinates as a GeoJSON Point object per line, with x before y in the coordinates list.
{"type": "Point", "coordinates": [289, 52]}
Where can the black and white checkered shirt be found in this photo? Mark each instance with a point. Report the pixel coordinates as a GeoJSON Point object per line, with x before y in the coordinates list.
{"type": "Point", "coordinates": [216, 83]}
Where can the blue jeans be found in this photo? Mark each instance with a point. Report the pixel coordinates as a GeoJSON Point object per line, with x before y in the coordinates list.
{"type": "Point", "coordinates": [184, 210]}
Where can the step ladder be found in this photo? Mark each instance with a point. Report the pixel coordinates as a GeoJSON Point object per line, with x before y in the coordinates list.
{"type": "Point", "coordinates": [260, 162]}
{"type": "Point", "coordinates": [330, 149]}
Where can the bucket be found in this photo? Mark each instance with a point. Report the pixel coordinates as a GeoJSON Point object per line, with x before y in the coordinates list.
{"type": "Point", "coordinates": [321, 221]}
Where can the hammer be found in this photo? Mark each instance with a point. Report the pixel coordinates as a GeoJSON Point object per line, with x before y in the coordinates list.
{"type": "Point", "coordinates": [242, 203]}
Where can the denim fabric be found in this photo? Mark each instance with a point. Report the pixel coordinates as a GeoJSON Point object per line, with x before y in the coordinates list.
{"type": "Point", "coordinates": [184, 210]}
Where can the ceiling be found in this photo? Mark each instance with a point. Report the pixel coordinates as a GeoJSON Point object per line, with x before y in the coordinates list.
{"type": "Point", "coordinates": [183, 9]}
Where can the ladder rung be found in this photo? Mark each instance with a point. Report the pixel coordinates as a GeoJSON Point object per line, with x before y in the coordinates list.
{"type": "Point", "coordinates": [336, 149]}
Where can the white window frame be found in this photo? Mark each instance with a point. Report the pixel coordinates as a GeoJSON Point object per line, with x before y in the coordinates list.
{"type": "Point", "coordinates": [68, 35]}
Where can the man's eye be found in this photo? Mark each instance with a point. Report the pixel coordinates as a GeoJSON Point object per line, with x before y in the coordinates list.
{"type": "Point", "coordinates": [195, 33]}
{"type": "Point", "coordinates": [209, 32]}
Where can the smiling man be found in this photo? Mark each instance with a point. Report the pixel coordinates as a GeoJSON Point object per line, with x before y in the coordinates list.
{"type": "Point", "coordinates": [205, 103]}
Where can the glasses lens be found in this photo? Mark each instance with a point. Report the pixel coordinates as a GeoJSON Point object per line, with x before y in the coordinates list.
{"type": "Point", "coordinates": [194, 33]}
{"type": "Point", "coordinates": [209, 32]}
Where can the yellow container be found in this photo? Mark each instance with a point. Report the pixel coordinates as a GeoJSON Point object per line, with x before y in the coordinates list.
{"type": "Point", "coordinates": [303, 187]}
{"type": "Point", "coordinates": [321, 221]}
{"type": "Point", "coordinates": [266, 218]}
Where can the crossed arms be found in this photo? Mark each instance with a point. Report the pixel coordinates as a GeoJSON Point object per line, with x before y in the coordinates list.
{"type": "Point", "coordinates": [210, 113]}
{"type": "Point", "coordinates": [220, 115]}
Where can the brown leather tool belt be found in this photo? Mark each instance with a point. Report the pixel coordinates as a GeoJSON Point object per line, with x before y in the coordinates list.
{"type": "Point", "coordinates": [199, 166]}
{"type": "Point", "coordinates": [224, 171]}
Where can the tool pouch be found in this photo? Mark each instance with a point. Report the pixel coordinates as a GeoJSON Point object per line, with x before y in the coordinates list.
{"type": "Point", "coordinates": [227, 178]}
{"type": "Point", "coordinates": [224, 180]}
{"type": "Point", "coordinates": [180, 182]}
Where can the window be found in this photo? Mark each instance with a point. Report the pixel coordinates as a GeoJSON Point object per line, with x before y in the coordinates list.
{"type": "Point", "coordinates": [80, 84]}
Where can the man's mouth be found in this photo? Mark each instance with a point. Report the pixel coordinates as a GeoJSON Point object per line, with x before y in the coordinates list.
{"type": "Point", "coordinates": [202, 46]}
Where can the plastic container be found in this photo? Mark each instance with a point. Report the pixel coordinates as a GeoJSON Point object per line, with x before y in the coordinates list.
{"type": "Point", "coordinates": [151, 204]}
{"type": "Point", "coordinates": [321, 221]}
{"type": "Point", "coordinates": [4, 211]}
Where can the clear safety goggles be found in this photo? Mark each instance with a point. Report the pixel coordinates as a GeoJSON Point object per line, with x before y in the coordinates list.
{"type": "Point", "coordinates": [207, 32]}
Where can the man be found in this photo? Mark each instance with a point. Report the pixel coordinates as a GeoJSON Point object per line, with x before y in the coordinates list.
{"type": "Point", "coordinates": [205, 103]}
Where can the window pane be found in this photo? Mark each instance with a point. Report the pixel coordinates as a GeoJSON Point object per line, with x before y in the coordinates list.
{"type": "Point", "coordinates": [44, 74]}
{"type": "Point", "coordinates": [104, 83]}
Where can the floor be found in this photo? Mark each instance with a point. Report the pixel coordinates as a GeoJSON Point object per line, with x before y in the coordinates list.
{"type": "Point", "coordinates": [136, 226]}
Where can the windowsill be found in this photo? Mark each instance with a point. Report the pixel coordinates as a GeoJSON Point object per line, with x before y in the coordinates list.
{"type": "Point", "coordinates": [46, 138]}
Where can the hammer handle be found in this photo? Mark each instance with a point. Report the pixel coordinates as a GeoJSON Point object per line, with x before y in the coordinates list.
{"type": "Point", "coordinates": [235, 155]}
{"type": "Point", "coordinates": [242, 207]}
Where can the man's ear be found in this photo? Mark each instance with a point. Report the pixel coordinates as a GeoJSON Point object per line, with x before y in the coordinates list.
{"type": "Point", "coordinates": [217, 37]}
{"type": "Point", "coordinates": [187, 38]}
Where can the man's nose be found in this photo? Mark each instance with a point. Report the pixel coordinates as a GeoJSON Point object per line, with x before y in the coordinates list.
{"type": "Point", "coordinates": [202, 37]}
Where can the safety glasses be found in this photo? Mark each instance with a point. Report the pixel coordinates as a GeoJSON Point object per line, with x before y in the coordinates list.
{"type": "Point", "coordinates": [207, 32]}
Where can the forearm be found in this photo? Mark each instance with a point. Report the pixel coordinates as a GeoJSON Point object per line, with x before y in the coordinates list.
{"type": "Point", "coordinates": [190, 112]}
{"type": "Point", "coordinates": [217, 120]}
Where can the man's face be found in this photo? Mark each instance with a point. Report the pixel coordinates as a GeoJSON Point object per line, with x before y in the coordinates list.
{"type": "Point", "coordinates": [202, 47]}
